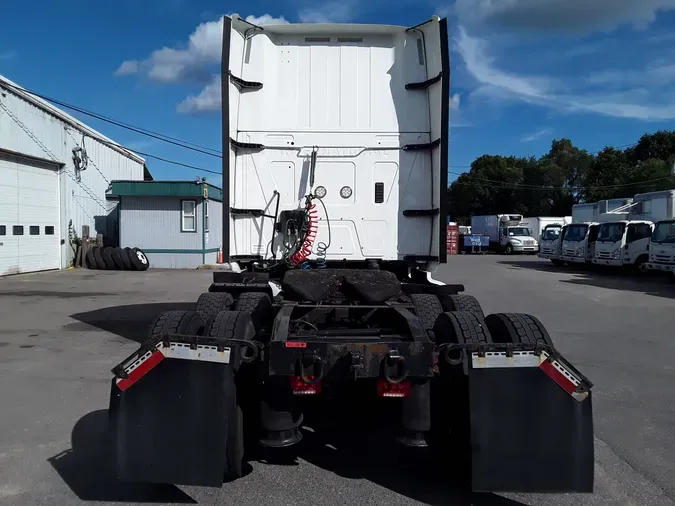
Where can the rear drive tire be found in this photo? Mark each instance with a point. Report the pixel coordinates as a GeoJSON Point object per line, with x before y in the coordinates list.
{"type": "Point", "coordinates": [211, 303]}
{"type": "Point", "coordinates": [138, 259]}
{"type": "Point", "coordinates": [117, 258]}
{"type": "Point", "coordinates": [461, 327]}
{"type": "Point", "coordinates": [428, 308]}
{"type": "Point", "coordinates": [517, 328]}
{"type": "Point", "coordinates": [463, 303]}
{"type": "Point", "coordinates": [256, 304]}
{"type": "Point", "coordinates": [177, 322]}
{"type": "Point", "coordinates": [98, 257]}
{"type": "Point", "coordinates": [236, 325]}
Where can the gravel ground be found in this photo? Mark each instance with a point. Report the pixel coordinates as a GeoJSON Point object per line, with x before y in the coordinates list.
{"type": "Point", "coordinates": [61, 332]}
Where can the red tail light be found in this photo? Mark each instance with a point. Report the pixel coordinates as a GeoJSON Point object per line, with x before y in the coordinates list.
{"type": "Point", "coordinates": [386, 389]}
{"type": "Point", "coordinates": [299, 387]}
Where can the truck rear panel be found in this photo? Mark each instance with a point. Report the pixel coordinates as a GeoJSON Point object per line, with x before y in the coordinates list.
{"type": "Point", "coordinates": [370, 102]}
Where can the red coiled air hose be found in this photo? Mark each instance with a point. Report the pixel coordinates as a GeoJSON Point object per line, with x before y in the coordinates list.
{"type": "Point", "coordinates": [312, 228]}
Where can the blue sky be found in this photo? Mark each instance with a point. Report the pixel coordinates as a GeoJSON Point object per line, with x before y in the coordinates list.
{"type": "Point", "coordinates": [601, 72]}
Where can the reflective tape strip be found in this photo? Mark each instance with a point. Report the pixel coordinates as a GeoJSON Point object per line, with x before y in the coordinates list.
{"type": "Point", "coordinates": [494, 359]}
{"type": "Point", "coordinates": [140, 368]}
{"type": "Point", "coordinates": [564, 378]}
{"type": "Point", "coordinates": [203, 353]}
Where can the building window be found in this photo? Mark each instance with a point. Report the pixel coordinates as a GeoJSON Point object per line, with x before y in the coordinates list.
{"type": "Point", "coordinates": [49, 230]}
{"type": "Point", "coordinates": [188, 222]}
{"type": "Point", "coordinates": [206, 216]}
{"type": "Point", "coordinates": [17, 230]}
{"type": "Point", "coordinates": [3, 230]}
{"type": "Point", "coordinates": [34, 230]}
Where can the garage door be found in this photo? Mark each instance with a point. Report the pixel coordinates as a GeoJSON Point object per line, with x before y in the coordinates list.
{"type": "Point", "coordinates": [29, 215]}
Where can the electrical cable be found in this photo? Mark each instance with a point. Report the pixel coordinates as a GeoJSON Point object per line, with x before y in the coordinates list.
{"type": "Point", "coordinates": [321, 249]}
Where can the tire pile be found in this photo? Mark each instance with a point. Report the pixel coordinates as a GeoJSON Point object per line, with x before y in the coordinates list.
{"type": "Point", "coordinates": [120, 259]}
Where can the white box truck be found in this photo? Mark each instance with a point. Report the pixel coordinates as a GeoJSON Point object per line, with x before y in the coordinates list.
{"type": "Point", "coordinates": [506, 232]}
{"type": "Point", "coordinates": [537, 224]}
{"type": "Point", "coordinates": [659, 208]}
{"type": "Point", "coordinates": [549, 240]}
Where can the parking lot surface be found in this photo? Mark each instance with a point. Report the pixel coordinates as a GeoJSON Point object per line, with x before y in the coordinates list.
{"type": "Point", "coordinates": [61, 332]}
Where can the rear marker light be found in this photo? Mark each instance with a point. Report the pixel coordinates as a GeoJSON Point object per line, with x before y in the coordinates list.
{"type": "Point", "coordinates": [299, 386]}
{"type": "Point", "coordinates": [386, 389]}
{"type": "Point", "coordinates": [296, 344]}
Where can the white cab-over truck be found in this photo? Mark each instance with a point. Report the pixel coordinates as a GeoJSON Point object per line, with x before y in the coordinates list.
{"type": "Point", "coordinates": [507, 233]}
{"type": "Point", "coordinates": [549, 241]}
{"type": "Point", "coordinates": [659, 207]}
{"type": "Point", "coordinates": [627, 241]}
{"type": "Point", "coordinates": [335, 165]}
{"type": "Point", "coordinates": [537, 224]}
{"type": "Point", "coordinates": [579, 241]}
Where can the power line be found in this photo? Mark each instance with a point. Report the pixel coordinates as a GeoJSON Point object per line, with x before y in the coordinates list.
{"type": "Point", "coordinates": [502, 185]}
{"type": "Point", "coordinates": [218, 154]}
{"type": "Point", "coordinates": [155, 135]}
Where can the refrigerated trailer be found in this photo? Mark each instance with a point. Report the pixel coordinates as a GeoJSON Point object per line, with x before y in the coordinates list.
{"type": "Point", "coordinates": [335, 143]}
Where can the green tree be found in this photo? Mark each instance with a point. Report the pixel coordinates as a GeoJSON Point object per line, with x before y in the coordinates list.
{"type": "Point", "coordinates": [659, 146]}
{"type": "Point", "coordinates": [609, 170]}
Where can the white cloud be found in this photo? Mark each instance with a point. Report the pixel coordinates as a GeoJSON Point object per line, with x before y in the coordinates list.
{"type": "Point", "coordinates": [208, 100]}
{"type": "Point", "coordinates": [7, 55]}
{"type": "Point", "coordinates": [454, 101]}
{"type": "Point", "coordinates": [329, 12]}
{"type": "Point", "coordinates": [537, 135]}
{"type": "Point", "coordinates": [195, 61]}
{"type": "Point", "coordinates": [481, 66]}
{"type": "Point", "coordinates": [638, 94]}
{"type": "Point", "coordinates": [561, 15]}
{"type": "Point", "coordinates": [127, 67]}
{"type": "Point", "coordinates": [192, 62]}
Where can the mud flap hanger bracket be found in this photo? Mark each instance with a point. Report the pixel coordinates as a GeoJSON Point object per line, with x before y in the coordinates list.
{"type": "Point", "coordinates": [510, 355]}
{"type": "Point", "coordinates": [249, 350]}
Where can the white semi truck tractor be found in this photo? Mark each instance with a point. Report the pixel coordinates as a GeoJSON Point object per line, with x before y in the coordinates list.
{"type": "Point", "coordinates": [335, 186]}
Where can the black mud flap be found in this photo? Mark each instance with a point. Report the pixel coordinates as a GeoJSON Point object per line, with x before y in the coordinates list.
{"type": "Point", "coordinates": [529, 432]}
{"type": "Point", "coordinates": [171, 425]}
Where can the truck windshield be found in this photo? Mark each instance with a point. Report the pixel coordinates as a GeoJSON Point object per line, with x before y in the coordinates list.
{"type": "Point", "coordinates": [519, 231]}
{"type": "Point", "coordinates": [664, 233]}
{"type": "Point", "coordinates": [576, 233]}
{"type": "Point", "coordinates": [611, 232]}
{"type": "Point", "coordinates": [550, 234]}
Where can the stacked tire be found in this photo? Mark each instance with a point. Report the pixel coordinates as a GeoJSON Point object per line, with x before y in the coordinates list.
{"type": "Point", "coordinates": [121, 259]}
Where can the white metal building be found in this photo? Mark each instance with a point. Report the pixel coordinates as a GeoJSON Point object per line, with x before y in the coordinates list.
{"type": "Point", "coordinates": [54, 173]}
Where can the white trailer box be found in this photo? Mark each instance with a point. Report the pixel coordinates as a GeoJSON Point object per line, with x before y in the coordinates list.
{"type": "Point", "coordinates": [538, 223]}
{"type": "Point", "coordinates": [486, 225]}
{"type": "Point", "coordinates": [585, 212]}
{"type": "Point", "coordinates": [654, 206]}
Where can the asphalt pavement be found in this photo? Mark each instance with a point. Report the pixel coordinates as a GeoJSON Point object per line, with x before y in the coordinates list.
{"type": "Point", "coordinates": [61, 332]}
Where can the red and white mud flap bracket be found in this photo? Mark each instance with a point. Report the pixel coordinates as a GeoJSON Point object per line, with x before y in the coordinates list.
{"type": "Point", "coordinates": [530, 419]}
{"type": "Point", "coordinates": [194, 348]}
